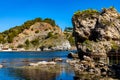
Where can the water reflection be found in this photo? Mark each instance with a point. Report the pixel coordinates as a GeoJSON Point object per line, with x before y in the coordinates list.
{"type": "Point", "coordinates": [20, 62]}
{"type": "Point", "coordinates": [33, 74]}
{"type": "Point", "coordinates": [61, 72]}
{"type": "Point", "coordinates": [11, 60]}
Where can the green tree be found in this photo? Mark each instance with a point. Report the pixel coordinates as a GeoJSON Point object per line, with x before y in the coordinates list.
{"type": "Point", "coordinates": [27, 42]}
{"type": "Point", "coordinates": [71, 40]}
{"type": "Point", "coordinates": [37, 31]}
{"type": "Point", "coordinates": [1, 38]}
{"type": "Point", "coordinates": [50, 34]}
{"type": "Point", "coordinates": [20, 46]}
{"type": "Point", "coordinates": [10, 37]}
{"type": "Point", "coordinates": [35, 42]}
{"type": "Point", "coordinates": [50, 21]}
{"type": "Point", "coordinates": [38, 20]}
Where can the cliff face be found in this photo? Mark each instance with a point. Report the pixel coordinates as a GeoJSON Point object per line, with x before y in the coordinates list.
{"type": "Point", "coordinates": [96, 33]}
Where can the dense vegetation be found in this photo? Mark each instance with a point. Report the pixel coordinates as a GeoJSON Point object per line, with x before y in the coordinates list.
{"type": "Point", "coordinates": [86, 13]}
{"type": "Point", "coordinates": [89, 12]}
{"type": "Point", "coordinates": [8, 35]}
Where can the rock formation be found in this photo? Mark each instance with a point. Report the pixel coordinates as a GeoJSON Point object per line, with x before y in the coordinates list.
{"type": "Point", "coordinates": [96, 33]}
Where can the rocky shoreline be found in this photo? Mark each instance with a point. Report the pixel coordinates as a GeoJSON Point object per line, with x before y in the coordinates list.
{"type": "Point", "coordinates": [88, 69]}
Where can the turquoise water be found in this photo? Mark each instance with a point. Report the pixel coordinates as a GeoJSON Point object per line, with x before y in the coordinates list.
{"type": "Point", "coordinates": [10, 60]}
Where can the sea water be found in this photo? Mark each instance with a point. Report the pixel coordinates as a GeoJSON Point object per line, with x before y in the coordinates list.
{"type": "Point", "coordinates": [11, 60]}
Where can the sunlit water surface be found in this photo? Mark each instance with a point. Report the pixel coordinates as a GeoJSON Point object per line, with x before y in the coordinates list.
{"type": "Point", "coordinates": [11, 60]}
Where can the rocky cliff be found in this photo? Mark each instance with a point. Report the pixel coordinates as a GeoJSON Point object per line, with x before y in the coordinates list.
{"type": "Point", "coordinates": [96, 33]}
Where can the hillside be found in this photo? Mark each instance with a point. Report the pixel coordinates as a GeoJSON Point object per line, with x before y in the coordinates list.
{"type": "Point", "coordinates": [35, 34]}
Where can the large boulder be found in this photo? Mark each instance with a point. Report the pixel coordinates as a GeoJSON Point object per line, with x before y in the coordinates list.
{"type": "Point", "coordinates": [96, 33]}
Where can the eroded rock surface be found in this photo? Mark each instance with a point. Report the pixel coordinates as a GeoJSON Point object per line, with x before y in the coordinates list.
{"type": "Point", "coordinates": [96, 33]}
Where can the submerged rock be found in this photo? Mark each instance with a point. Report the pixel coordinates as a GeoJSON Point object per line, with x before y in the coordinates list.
{"type": "Point", "coordinates": [1, 66]}
{"type": "Point", "coordinates": [57, 59]}
{"type": "Point", "coordinates": [42, 63]}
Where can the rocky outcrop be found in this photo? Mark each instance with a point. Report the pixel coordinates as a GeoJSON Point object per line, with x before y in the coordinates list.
{"type": "Point", "coordinates": [96, 33]}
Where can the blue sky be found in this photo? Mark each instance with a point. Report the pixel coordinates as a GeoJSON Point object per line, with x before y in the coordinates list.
{"type": "Point", "coordinates": [16, 12]}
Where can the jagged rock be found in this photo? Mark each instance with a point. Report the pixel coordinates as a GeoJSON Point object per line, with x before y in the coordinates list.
{"type": "Point", "coordinates": [96, 33]}
{"type": "Point", "coordinates": [97, 71]}
{"type": "Point", "coordinates": [101, 64]}
{"type": "Point", "coordinates": [72, 55]}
